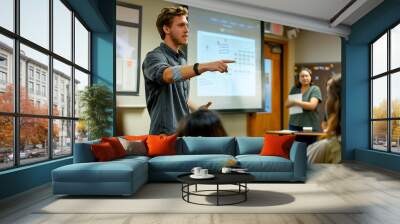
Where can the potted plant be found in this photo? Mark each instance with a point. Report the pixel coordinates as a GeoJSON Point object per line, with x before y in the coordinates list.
{"type": "Point", "coordinates": [96, 102]}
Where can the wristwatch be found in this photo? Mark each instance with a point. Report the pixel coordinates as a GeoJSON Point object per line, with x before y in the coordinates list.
{"type": "Point", "coordinates": [196, 68]}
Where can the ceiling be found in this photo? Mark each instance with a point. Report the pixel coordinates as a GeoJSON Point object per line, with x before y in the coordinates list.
{"type": "Point", "coordinates": [319, 9]}
{"type": "Point", "coordinates": [326, 16]}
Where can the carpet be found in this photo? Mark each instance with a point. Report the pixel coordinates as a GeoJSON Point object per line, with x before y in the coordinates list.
{"type": "Point", "coordinates": [166, 198]}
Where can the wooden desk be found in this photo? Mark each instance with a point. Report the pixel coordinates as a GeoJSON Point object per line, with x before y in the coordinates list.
{"type": "Point", "coordinates": [301, 136]}
{"type": "Point", "coordinates": [297, 133]}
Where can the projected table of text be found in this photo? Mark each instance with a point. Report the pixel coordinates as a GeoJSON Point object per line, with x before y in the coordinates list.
{"type": "Point", "coordinates": [241, 77]}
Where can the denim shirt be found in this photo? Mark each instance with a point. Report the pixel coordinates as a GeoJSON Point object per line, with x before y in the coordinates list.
{"type": "Point", "coordinates": [166, 102]}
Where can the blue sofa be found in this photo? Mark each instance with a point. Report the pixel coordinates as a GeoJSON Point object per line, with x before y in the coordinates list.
{"type": "Point", "coordinates": [125, 176]}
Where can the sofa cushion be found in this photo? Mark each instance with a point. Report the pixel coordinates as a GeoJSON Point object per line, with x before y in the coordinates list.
{"type": "Point", "coordinates": [249, 145]}
{"type": "Point", "coordinates": [116, 145]}
{"type": "Point", "coordinates": [134, 147]}
{"type": "Point", "coordinates": [206, 145]}
{"type": "Point", "coordinates": [103, 152]}
{"type": "Point", "coordinates": [113, 171]}
{"type": "Point", "coordinates": [131, 158]}
{"type": "Point", "coordinates": [276, 145]}
{"type": "Point", "coordinates": [185, 163]}
{"type": "Point", "coordinates": [160, 145]}
{"type": "Point", "coordinates": [135, 137]}
{"type": "Point", "coordinates": [257, 163]}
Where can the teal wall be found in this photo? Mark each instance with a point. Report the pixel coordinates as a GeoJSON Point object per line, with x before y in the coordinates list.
{"type": "Point", "coordinates": [99, 16]}
{"type": "Point", "coordinates": [24, 178]}
{"type": "Point", "coordinates": [103, 54]}
{"type": "Point", "coordinates": [356, 99]}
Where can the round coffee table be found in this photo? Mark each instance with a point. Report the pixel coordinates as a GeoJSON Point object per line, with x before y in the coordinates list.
{"type": "Point", "coordinates": [238, 179]}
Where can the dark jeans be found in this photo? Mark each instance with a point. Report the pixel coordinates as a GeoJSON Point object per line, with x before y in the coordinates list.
{"type": "Point", "coordinates": [306, 139]}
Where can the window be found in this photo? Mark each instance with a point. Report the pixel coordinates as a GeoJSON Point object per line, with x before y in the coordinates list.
{"type": "Point", "coordinates": [62, 29]}
{"type": "Point", "coordinates": [62, 74]}
{"type": "Point", "coordinates": [62, 143]}
{"type": "Point", "coordinates": [7, 14]}
{"type": "Point", "coordinates": [34, 22]}
{"type": "Point", "coordinates": [7, 73]}
{"type": "Point", "coordinates": [3, 78]}
{"type": "Point", "coordinates": [37, 75]}
{"type": "Point", "coordinates": [81, 45]}
{"type": "Point", "coordinates": [30, 87]}
{"type": "Point", "coordinates": [385, 96]}
{"type": "Point", "coordinates": [38, 89]}
{"type": "Point", "coordinates": [30, 72]}
{"type": "Point", "coordinates": [54, 126]}
{"type": "Point", "coordinates": [7, 141]}
{"type": "Point", "coordinates": [81, 81]}
{"type": "Point", "coordinates": [3, 72]}
{"type": "Point", "coordinates": [128, 48]}
{"type": "Point", "coordinates": [43, 90]}
{"type": "Point", "coordinates": [3, 61]}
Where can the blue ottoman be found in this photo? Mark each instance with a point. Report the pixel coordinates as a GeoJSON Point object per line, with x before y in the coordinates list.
{"type": "Point", "coordinates": [118, 177]}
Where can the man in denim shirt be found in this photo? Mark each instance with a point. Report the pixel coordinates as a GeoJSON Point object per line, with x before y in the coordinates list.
{"type": "Point", "coordinates": [167, 75]}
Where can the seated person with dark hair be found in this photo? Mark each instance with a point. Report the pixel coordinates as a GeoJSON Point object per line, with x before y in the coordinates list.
{"type": "Point", "coordinates": [202, 122]}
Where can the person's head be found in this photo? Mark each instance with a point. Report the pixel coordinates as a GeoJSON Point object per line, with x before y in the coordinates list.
{"type": "Point", "coordinates": [172, 25]}
{"type": "Point", "coordinates": [204, 123]}
{"type": "Point", "coordinates": [304, 77]}
{"type": "Point", "coordinates": [333, 105]}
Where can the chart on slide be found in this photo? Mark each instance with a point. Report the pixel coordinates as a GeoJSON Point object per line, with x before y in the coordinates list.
{"type": "Point", "coordinates": [241, 77]}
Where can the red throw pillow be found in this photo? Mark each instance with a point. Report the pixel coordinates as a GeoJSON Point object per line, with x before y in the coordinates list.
{"type": "Point", "coordinates": [161, 145]}
{"type": "Point", "coordinates": [276, 145]}
{"type": "Point", "coordinates": [103, 152]}
{"type": "Point", "coordinates": [136, 137]}
{"type": "Point", "coordinates": [116, 145]}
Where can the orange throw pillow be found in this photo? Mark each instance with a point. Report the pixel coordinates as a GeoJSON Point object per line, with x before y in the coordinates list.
{"type": "Point", "coordinates": [116, 145]}
{"type": "Point", "coordinates": [275, 145]}
{"type": "Point", "coordinates": [136, 137]}
{"type": "Point", "coordinates": [103, 152]}
{"type": "Point", "coordinates": [161, 145]}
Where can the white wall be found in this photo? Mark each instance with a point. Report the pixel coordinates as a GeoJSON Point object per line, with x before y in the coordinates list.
{"type": "Point", "coordinates": [134, 118]}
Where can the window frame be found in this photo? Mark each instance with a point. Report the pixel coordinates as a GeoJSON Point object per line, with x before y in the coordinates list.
{"type": "Point", "coordinates": [16, 114]}
{"type": "Point", "coordinates": [388, 74]}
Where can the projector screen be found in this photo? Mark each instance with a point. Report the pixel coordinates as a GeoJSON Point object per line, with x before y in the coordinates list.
{"type": "Point", "coordinates": [216, 36]}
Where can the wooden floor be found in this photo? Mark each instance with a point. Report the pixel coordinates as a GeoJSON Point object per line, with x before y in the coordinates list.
{"type": "Point", "coordinates": [354, 182]}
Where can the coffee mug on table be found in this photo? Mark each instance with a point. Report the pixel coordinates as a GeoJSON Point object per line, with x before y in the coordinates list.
{"type": "Point", "coordinates": [203, 172]}
{"type": "Point", "coordinates": [196, 170]}
{"type": "Point", "coordinates": [226, 170]}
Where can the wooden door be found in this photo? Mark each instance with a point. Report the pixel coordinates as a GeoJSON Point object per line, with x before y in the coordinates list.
{"type": "Point", "coordinates": [260, 122]}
